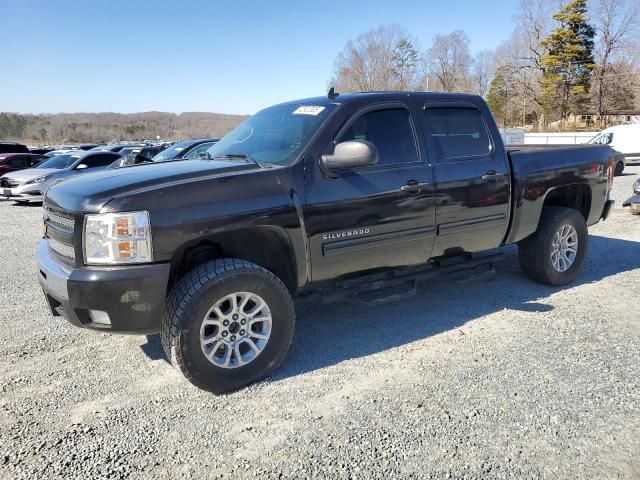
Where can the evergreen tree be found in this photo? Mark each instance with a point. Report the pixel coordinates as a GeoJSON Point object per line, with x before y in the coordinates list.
{"type": "Point", "coordinates": [403, 63]}
{"type": "Point", "coordinates": [501, 92]}
{"type": "Point", "coordinates": [568, 63]}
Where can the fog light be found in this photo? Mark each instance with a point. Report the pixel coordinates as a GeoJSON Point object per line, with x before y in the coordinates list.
{"type": "Point", "coordinates": [98, 316]}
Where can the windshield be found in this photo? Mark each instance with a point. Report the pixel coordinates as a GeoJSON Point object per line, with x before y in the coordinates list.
{"type": "Point", "coordinates": [274, 135]}
{"type": "Point", "coordinates": [59, 161]}
{"type": "Point", "coordinates": [173, 151]}
{"type": "Point", "coordinates": [601, 139]}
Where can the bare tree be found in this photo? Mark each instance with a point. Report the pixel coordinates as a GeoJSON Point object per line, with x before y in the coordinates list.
{"type": "Point", "coordinates": [381, 59]}
{"type": "Point", "coordinates": [616, 23]}
{"type": "Point", "coordinates": [522, 53]}
{"type": "Point", "coordinates": [482, 71]}
{"type": "Point", "coordinates": [449, 61]}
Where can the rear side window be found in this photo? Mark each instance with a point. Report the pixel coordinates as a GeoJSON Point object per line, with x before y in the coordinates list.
{"type": "Point", "coordinates": [457, 133]}
{"type": "Point", "coordinates": [390, 131]}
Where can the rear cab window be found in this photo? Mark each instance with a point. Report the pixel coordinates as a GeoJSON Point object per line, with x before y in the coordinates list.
{"type": "Point", "coordinates": [456, 133]}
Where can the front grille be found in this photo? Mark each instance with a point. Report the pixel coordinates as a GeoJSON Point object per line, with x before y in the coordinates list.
{"type": "Point", "coordinates": [60, 232]}
{"type": "Point", "coordinates": [59, 221]}
{"type": "Point", "coordinates": [63, 249]}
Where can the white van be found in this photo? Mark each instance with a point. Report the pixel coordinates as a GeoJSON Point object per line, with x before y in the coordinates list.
{"type": "Point", "coordinates": [622, 138]}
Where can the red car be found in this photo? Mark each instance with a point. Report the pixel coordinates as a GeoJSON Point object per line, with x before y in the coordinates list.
{"type": "Point", "coordinates": [10, 162]}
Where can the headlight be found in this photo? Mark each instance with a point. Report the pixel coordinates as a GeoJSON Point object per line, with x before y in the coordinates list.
{"type": "Point", "coordinates": [636, 186]}
{"type": "Point", "coordinates": [117, 238]}
{"type": "Point", "coordinates": [40, 179]}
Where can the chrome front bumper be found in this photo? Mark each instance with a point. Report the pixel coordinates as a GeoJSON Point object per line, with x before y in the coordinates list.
{"type": "Point", "coordinates": [53, 276]}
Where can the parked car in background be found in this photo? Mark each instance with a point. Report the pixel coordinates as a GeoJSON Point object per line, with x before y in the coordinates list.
{"type": "Point", "coordinates": [29, 185]}
{"type": "Point", "coordinates": [11, 162]}
{"type": "Point", "coordinates": [634, 200]}
{"type": "Point", "coordinates": [13, 147]}
{"type": "Point", "coordinates": [622, 138]}
{"type": "Point", "coordinates": [129, 160]}
{"type": "Point", "coordinates": [148, 151]}
{"type": "Point", "coordinates": [116, 147]}
{"type": "Point", "coordinates": [41, 150]}
{"type": "Point", "coordinates": [185, 150]}
{"type": "Point", "coordinates": [81, 146]}
{"type": "Point", "coordinates": [64, 151]}
{"type": "Point", "coordinates": [151, 151]}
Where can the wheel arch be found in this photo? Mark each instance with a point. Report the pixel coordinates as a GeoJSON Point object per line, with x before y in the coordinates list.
{"type": "Point", "coordinates": [578, 196]}
{"type": "Point", "coordinates": [267, 246]}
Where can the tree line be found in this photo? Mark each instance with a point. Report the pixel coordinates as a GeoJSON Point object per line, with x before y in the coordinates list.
{"type": "Point", "coordinates": [561, 59]}
{"type": "Point", "coordinates": [103, 127]}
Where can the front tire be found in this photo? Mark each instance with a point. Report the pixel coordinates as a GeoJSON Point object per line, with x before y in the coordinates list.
{"type": "Point", "coordinates": [555, 254]}
{"type": "Point", "coordinates": [227, 323]}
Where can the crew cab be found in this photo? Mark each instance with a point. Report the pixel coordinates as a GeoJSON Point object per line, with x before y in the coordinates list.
{"type": "Point", "coordinates": [336, 195]}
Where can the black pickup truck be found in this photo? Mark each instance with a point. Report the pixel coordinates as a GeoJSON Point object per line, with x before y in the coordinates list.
{"type": "Point", "coordinates": [341, 195]}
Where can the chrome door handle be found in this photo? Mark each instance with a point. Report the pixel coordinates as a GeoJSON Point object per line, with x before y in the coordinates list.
{"type": "Point", "coordinates": [413, 187]}
{"type": "Point", "coordinates": [492, 176]}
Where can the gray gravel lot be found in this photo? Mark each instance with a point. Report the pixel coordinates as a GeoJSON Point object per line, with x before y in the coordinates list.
{"type": "Point", "coordinates": [490, 379]}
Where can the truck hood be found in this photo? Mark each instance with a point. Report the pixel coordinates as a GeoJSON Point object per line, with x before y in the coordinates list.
{"type": "Point", "coordinates": [31, 173]}
{"type": "Point", "coordinates": [88, 192]}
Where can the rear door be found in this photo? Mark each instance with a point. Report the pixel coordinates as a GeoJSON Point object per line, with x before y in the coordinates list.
{"type": "Point", "coordinates": [471, 173]}
{"type": "Point", "coordinates": [372, 217]}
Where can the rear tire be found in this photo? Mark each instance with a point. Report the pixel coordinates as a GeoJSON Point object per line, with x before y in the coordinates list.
{"type": "Point", "coordinates": [197, 343]}
{"type": "Point", "coordinates": [555, 254]}
{"type": "Point", "coordinates": [618, 169]}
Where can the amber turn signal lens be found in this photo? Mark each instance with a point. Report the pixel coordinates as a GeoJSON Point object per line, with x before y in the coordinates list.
{"type": "Point", "coordinates": [122, 227]}
{"type": "Point", "coordinates": [124, 249]}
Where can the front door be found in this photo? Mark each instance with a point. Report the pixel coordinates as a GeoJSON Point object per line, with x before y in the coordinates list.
{"type": "Point", "coordinates": [372, 217]}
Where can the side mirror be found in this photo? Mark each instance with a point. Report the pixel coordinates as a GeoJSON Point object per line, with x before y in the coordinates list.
{"type": "Point", "coordinates": [82, 166]}
{"type": "Point", "coordinates": [351, 154]}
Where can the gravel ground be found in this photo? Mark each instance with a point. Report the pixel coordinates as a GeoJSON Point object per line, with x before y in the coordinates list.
{"type": "Point", "coordinates": [490, 379]}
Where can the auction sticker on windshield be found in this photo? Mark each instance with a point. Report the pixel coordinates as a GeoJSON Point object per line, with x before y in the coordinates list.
{"type": "Point", "coordinates": [308, 110]}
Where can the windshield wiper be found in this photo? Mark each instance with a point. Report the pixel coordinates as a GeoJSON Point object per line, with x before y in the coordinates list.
{"type": "Point", "coordinates": [232, 156]}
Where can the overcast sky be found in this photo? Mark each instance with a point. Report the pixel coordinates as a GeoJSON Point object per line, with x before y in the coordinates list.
{"type": "Point", "coordinates": [217, 56]}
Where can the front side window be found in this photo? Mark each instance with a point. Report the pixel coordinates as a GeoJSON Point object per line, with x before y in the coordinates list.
{"type": "Point", "coordinates": [390, 131]}
{"type": "Point", "coordinates": [274, 135]}
{"type": "Point", "coordinates": [457, 133]}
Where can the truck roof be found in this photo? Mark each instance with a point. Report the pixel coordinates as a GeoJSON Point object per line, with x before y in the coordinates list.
{"type": "Point", "coordinates": [344, 98]}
